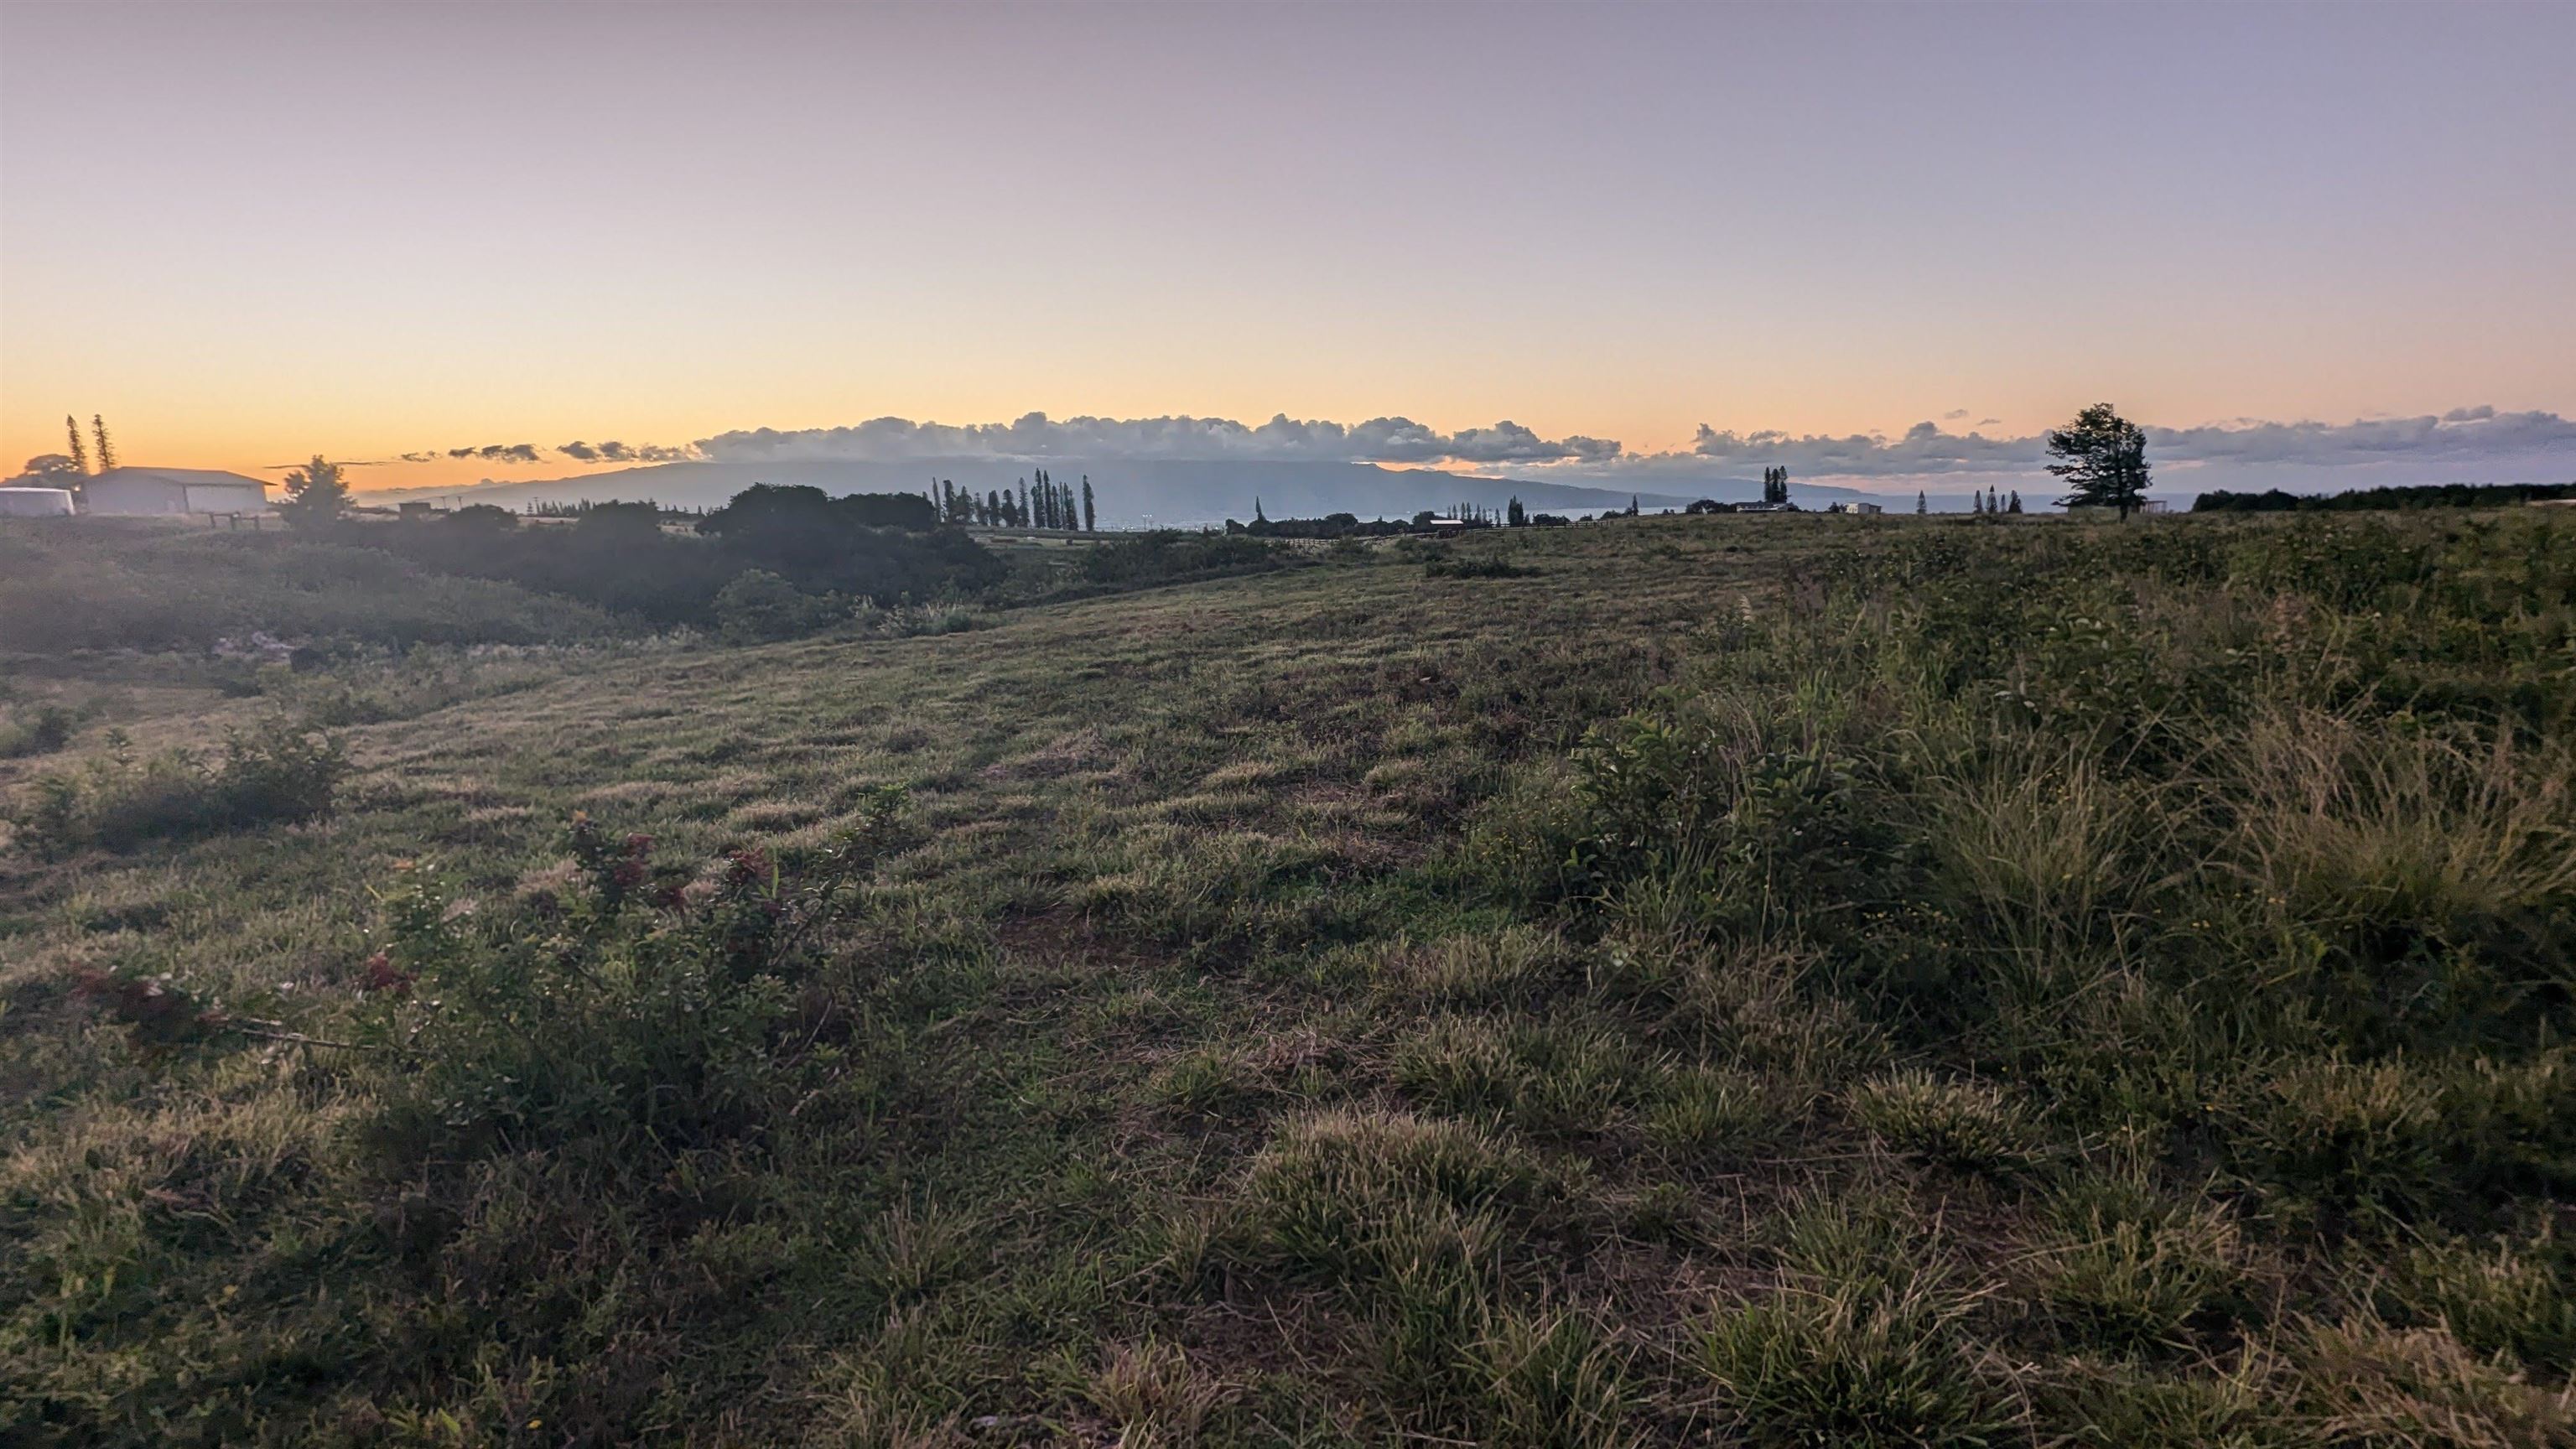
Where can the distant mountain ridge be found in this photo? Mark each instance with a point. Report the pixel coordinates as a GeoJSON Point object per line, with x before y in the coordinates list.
{"type": "Point", "coordinates": [1130, 493]}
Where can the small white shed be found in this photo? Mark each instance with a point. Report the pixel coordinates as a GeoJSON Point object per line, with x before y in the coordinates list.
{"type": "Point", "coordinates": [35, 503]}
{"type": "Point", "coordinates": [164, 492]}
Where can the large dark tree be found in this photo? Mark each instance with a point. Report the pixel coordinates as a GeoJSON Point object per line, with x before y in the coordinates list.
{"type": "Point", "coordinates": [1090, 519]}
{"type": "Point", "coordinates": [315, 495]}
{"type": "Point", "coordinates": [2105, 460]}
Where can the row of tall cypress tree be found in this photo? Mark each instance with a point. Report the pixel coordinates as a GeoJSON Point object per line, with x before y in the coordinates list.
{"type": "Point", "coordinates": [1043, 503]}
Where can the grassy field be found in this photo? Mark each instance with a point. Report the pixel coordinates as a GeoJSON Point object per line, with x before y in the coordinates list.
{"type": "Point", "coordinates": [1766, 980]}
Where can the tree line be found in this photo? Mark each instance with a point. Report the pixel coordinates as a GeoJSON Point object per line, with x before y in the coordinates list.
{"type": "Point", "coordinates": [2428, 495]}
{"type": "Point", "coordinates": [1042, 504]}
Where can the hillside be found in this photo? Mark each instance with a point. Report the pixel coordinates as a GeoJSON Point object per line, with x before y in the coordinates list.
{"type": "Point", "coordinates": [1750, 980]}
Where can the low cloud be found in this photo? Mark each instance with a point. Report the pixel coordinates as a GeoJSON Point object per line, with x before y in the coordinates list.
{"type": "Point", "coordinates": [578, 451]}
{"type": "Point", "coordinates": [496, 453]}
{"type": "Point", "coordinates": [613, 451]}
{"type": "Point", "coordinates": [1036, 437]}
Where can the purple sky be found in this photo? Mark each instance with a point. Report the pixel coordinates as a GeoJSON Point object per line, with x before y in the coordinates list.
{"type": "Point", "coordinates": [248, 232]}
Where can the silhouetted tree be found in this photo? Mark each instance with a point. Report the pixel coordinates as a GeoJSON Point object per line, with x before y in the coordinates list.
{"type": "Point", "coordinates": [2015, 505]}
{"type": "Point", "coordinates": [50, 470]}
{"type": "Point", "coordinates": [2105, 460]}
{"type": "Point", "coordinates": [315, 496]}
{"type": "Point", "coordinates": [1257, 515]}
{"type": "Point", "coordinates": [1921, 503]}
{"type": "Point", "coordinates": [106, 449]}
{"type": "Point", "coordinates": [1090, 520]}
{"type": "Point", "coordinates": [1515, 515]}
{"type": "Point", "coordinates": [80, 450]}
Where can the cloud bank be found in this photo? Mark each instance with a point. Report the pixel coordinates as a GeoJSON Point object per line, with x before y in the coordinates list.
{"type": "Point", "coordinates": [2462, 444]}
{"type": "Point", "coordinates": [1037, 437]}
{"type": "Point", "coordinates": [2464, 438]}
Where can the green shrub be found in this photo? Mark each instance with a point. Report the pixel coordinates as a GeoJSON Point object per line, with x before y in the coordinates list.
{"type": "Point", "coordinates": [37, 729]}
{"type": "Point", "coordinates": [279, 774]}
{"type": "Point", "coordinates": [1165, 557]}
{"type": "Point", "coordinates": [97, 586]}
{"type": "Point", "coordinates": [646, 1022]}
{"type": "Point", "coordinates": [1476, 566]}
{"type": "Point", "coordinates": [759, 605]}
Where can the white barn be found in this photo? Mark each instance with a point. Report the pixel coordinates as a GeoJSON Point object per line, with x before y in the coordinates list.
{"type": "Point", "coordinates": [170, 492]}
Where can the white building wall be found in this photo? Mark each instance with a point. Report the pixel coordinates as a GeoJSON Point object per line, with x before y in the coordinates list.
{"type": "Point", "coordinates": [226, 498]}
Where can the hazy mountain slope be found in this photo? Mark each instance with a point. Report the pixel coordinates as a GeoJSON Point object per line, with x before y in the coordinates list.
{"type": "Point", "coordinates": [1129, 493]}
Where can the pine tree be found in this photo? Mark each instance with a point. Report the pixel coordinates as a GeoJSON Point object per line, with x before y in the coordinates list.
{"type": "Point", "coordinates": [2015, 505]}
{"type": "Point", "coordinates": [106, 449]}
{"type": "Point", "coordinates": [1257, 515]}
{"type": "Point", "coordinates": [1514, 514]}
{"type": "Point", "coordinates": [1921, 503]}
{"type": "Point", "coordinates": [1090, 520]}
{"type": "Point", "coordinates": [80, 450]}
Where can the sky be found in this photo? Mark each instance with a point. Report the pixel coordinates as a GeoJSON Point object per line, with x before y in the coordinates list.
{"type": "Point", "coordinates": [2320, 244]}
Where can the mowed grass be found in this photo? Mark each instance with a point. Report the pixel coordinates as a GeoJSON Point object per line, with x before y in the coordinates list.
{"type": "Point", "coordinates": [1768, 981]}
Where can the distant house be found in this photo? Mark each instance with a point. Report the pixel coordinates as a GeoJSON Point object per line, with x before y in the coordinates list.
{"type": "Point", "coordinates": [35, 502]}
{"type": "Point", "coordinates": [172, 492]}
{"type": "Point", "coordinates": [1853, 505]}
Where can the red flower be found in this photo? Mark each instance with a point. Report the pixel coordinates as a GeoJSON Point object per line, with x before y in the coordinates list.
{"type": "Point", "coordinates": [384, 975]}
